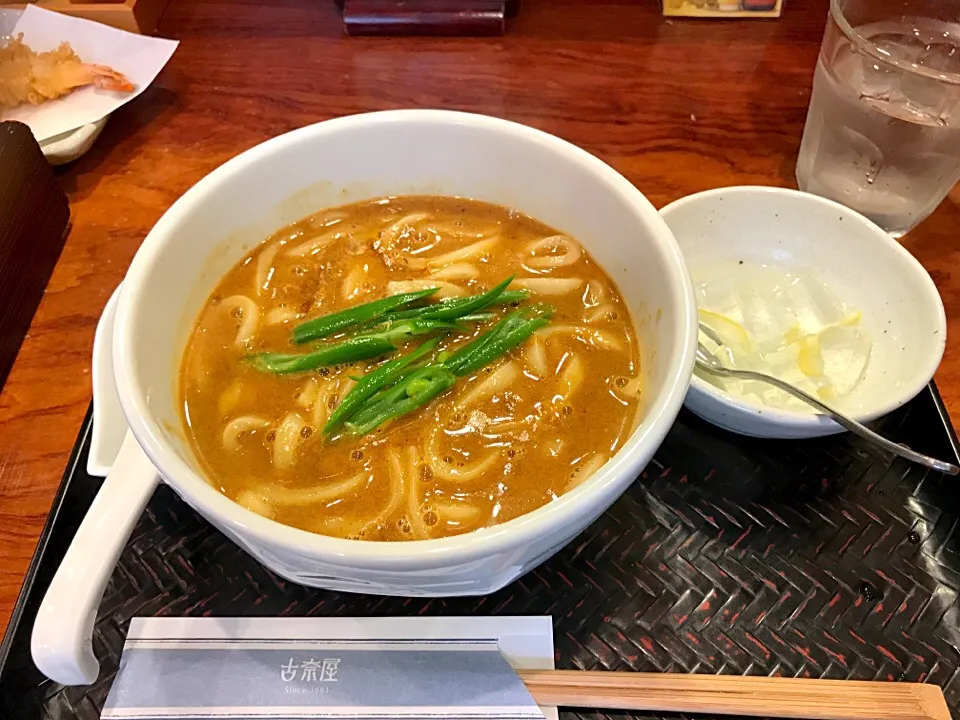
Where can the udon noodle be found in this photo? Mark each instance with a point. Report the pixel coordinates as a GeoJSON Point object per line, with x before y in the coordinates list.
{"type": "Point", "coordinates": [503, 440]}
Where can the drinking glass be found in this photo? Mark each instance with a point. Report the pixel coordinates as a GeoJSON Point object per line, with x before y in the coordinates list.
{"type": "Point", "coordinates": [883, 128]}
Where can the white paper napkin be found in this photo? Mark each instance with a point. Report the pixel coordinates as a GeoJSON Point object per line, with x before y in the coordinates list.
{"type": "Point", "coordinates": [330, 668]}
{"type": "Point", "coordinates": [139, 58]}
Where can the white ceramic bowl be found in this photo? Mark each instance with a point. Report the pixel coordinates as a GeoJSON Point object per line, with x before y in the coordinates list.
{"type": "Point", "coordinates": [215, 223]}
{"type": "Point", "coordinates": [862, 264]}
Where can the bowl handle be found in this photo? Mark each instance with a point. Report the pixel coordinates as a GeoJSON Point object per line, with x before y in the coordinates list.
{"type": "Point", "coordinates": [62, 641]}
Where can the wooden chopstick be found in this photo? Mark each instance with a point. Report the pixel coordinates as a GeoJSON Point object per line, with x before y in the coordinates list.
{"type": "Point", "coordinates": [736, 695]}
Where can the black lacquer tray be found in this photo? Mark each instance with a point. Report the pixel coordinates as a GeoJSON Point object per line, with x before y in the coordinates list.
{"type": "Point", "coordinates": [821, 558]}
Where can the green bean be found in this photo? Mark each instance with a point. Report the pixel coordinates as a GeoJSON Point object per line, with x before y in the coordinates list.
{"type": "Point", "coordinates": [335, 354]}
{"type": "Point", "coordinates": [511, 296]}
{"type": "Point", "coordinates": [422, 385]}
{"type": "Point", "coordinates": [397, 333]}
{"type": "Point", "coordinates": [359, 347]}
{"type": "Point", "coordinates": [403, 329]}
{"type": "Point", "coordinates": [327, 325]}
{"type": "Point", "coordinates": [477, 317]}
{"type": "Point", "coordinates": [373, 382]}
{"type": "Point", "coordinates": [468, 305]}
{"type": "Point", "coordinates": [506, 325]}
{"type": "Point", "coordinates": [505, 297]}
{"type": "Point", "coordinates": [505, 335]}
{"type": "Point", "coordinates": [409, 394]}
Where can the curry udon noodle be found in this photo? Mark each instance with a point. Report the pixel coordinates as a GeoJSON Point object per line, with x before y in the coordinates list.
{"type": "Point", "coordinates": [427, 414]}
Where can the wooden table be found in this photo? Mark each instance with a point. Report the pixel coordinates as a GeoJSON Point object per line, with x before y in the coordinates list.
{"type": "Point", "coordinates": [677, 107]}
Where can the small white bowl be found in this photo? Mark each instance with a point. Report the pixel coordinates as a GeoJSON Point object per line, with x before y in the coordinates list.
{"type": "Point", "coordinates": [71, 145]}
{"type": "Point", "coordinates": [858, 261]}
{"type": "Point", "coordinates": [65, 147]}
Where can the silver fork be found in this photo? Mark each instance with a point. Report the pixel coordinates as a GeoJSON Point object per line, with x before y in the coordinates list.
{"type": "Point", "coordinates": [710, 363]}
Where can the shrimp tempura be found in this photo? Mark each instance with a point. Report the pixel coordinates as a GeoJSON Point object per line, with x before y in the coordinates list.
{"type": "Point", "coordinates": [31, 77]}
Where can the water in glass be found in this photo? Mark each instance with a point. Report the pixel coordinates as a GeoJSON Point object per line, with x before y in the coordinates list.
{"type": "Point", "coordinates": [883, 136]}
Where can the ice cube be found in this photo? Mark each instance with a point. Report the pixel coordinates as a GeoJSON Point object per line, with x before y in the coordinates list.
{"type": "Point", "coordinates": [924, 98]}
{"type": "Point", "coordinates": [942, 57]}
{"type": "Point", "coordinates": [864, 75]}
{"type": "Point", "coordinates": [878, 75]}
{"type": "Point", "coordinates": [719, 294]}
{"type": "Point", "coordinates": [939, 98]}
{"type": "Point", "coordinates": [846, 352]}
{"type": "Point", "coordinates": [824, 306]}
{"type": "Point", "coordinates": [898, 45]}
{"type": "Point", "coordinates": [762, 317]}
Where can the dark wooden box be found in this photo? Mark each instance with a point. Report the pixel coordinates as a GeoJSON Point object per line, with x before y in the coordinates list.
{"type": "Point", "coordinates": [33, 222]}
{"type": "Point", "coordinates": [427, 17]}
